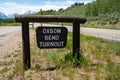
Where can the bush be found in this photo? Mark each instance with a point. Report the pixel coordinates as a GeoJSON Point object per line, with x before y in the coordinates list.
{"type": "Point", "coordinates": [69, 58]}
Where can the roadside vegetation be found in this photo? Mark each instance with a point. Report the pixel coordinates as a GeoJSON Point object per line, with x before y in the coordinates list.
{"type": "Point", "coordinates": [107, 21]}
{"type": "Point", "coordinates": [99, 59]}
{"type": "Point", "coordinates": [99, 13]}
{"type": "Point", "coordinates": [8, 22]}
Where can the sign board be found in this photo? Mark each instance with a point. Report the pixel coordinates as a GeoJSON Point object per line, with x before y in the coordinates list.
{"type": "Point", "coordinates": [51, 37]}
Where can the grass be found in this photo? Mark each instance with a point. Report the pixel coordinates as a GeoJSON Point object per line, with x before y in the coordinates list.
{"type": "Point", "coordinates": [55, 57]}
{"type": "Point", "coordinates": [5, 63]}
{"type": "Point", "coordinates": [96, 56]}
{"type": "Point", "coordinates": [102, 50]}
{"type": "Point", "coordinates": [17, 70]}
{"type": "Point", "coordinates": [12, 66]}
{"type": "Point", "coordinates": [99, 60]}
{"type": "Point", "coordinates": [95, 24]}
{"type": "Point", "coordinates": [73, 61]}
{"type": "Point", "coordinates": [4, 70]}
{"type": "Point", "coordinates": [9, 24]}
{"type": "Point", "coordinates": [113, 72]}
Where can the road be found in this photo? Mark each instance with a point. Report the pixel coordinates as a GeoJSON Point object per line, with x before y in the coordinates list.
{"type": "Point", "coordinates": [102, 33]}
{"type": "Point", "coordinates": [96, 32]}
{"type": "Point", "coordinates": [10, 36]}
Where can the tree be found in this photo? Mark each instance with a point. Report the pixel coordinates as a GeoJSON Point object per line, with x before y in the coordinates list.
{"type": "Point", "coordinates": [41, 11]}
{"type": "Point", "coordinates": [61, 10]}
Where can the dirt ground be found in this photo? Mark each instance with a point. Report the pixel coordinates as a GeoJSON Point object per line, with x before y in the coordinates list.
{"type": "Point", "coordinates": [10, 45]}
{"type": "Point", "coordinates": [11, 49]}
{"type": "Point", "coordinates": [9, 42]}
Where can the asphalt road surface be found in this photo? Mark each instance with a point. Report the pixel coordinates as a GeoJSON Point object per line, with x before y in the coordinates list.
{"type": "Point", "coordinates": [102, 33]}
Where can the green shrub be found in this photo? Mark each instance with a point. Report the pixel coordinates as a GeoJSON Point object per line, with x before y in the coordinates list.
{"type": "Point", "coordinates": [69, 58]}
{"type": "Point", "coordinates": [37, 67]}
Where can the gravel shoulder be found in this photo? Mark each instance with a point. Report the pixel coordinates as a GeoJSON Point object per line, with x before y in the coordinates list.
{"type": "Point", "coordinates": [10, 37]}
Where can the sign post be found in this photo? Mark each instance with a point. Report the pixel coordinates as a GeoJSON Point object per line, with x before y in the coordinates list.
{"type": "Point", "coordinates": [46, 39]}
{"type": "Point", "coordinates": [76, 40]}
{"type": "Point", "coordinates": [26, 45]}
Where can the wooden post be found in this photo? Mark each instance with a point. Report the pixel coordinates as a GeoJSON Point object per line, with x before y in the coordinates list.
{"type": "Point", "coordinates": [76, 39]}
{"type": "Point", "coordinates": [26, 45]}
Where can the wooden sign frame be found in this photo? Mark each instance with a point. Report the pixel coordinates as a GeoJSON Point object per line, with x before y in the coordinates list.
{"type": "Point", "coordinates": [25, 19]}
